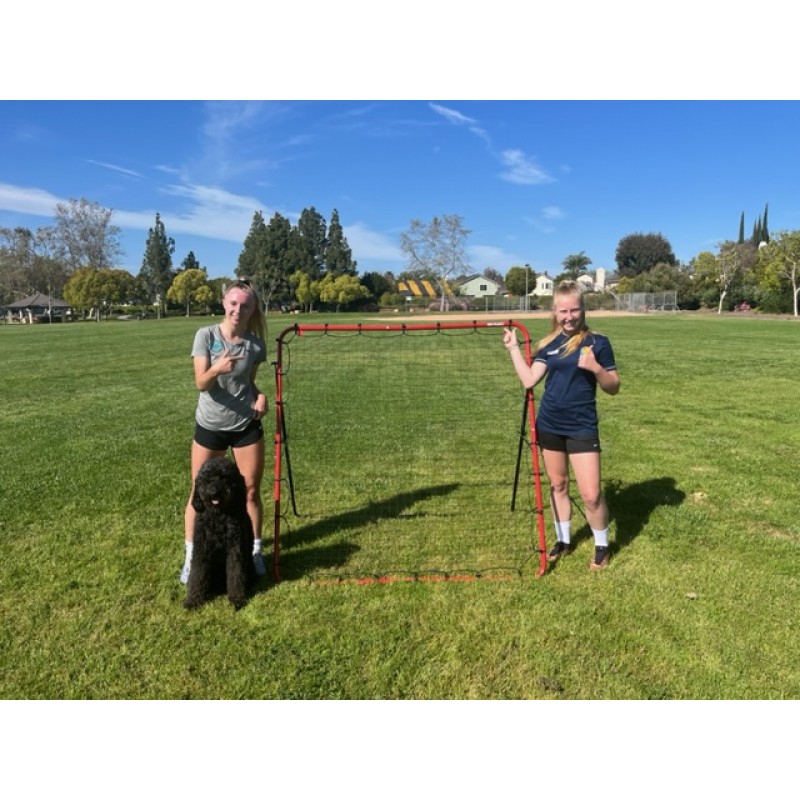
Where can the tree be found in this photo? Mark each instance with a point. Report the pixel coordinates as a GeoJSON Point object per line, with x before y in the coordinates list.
{"type": "Point", "coordinates": [17, 261]}
{"type": "Point", "coordinates": [341, 290]}
{"type": "Point", "coordinates": [156, 271]}
{"type": "Point", "coordinates": [438, 246]}
{"type": "Point", "coordinates": [311, 243]}
{"type": "Point", "coordinates": [779, 265]}
{"type": "Point", "coordinates": [338, 256]}
{"type": "Point", "coordinates": [91, 290]}
{"type": "Point", "coordinates": [306, 291]}
{"type": "Point", "coordinates": [640, 252]}
{"type": "Point", "coordinates": [84, 235]}
{"type": "Point", "coordinates": [664, 278]}
{"type": "Point", "coordinates": [741, 229]}
{"type": "Point", "coordinates": [516, 280]}
{"type": "Point", "coordinates": [705, 280]}
{"type": "Point", "coordinates": [493, 275]}
{"type": "Point", "coordinates": [267, 257]}
{"type": "Point", "coordinates": [190, 262]}
{"type": "Point", "coordinates": [729, 267]}
{"type": "Point", "coordinates": [253, 253]}
{"type": "Point", "coordinates": [186, 286]}
{"type": "Point", "coordinates": [379, 284]}
{"type": "Point", "coordinates": [575, 265]}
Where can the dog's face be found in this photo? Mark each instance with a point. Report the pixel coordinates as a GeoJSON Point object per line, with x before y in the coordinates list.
{"type": "Point", "coordinates": [218, 485]}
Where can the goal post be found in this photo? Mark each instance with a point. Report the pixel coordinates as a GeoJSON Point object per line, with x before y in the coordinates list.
{"type": "Point", "coordinates": [404, 452]}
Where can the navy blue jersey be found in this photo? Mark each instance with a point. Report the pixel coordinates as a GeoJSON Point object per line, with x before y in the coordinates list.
{"type": "Point", "coordinates": [568, 406]}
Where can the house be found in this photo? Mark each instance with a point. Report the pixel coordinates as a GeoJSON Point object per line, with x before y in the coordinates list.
{"type": "Point", "coordinates": [480, 286]}
{"type": "Point", "coordinates": [544, 285]}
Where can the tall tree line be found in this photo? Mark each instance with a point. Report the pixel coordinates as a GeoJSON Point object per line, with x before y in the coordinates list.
{"type": "Point", "coordinates": [292, 261]}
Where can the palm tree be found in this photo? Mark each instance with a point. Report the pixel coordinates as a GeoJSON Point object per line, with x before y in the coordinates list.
{"type": "Point", "coordinates": [576, 264]}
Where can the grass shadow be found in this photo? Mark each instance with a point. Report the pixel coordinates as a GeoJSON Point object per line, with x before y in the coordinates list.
{"type": "Point", "coordinates": [630, 506]}
{"type": "Point", "coordinates": [293, 565]}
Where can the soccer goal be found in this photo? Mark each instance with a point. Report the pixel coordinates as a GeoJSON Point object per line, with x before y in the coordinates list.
{"type": "Point", "coordinates": [404, 452]}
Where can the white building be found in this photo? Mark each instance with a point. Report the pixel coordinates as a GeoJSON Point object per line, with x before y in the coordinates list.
{"type": "Point", "coordinates": [480, 286]}
{"type": "Point", "coordinates": [544, 285]}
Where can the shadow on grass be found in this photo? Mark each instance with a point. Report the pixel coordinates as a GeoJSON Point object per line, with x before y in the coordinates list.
{"type": "Point", "coordinates": [295, 564]}
{"type": "Point", "coordinates": [630, 506]}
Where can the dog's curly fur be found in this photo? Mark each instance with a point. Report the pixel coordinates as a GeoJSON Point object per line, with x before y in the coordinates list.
{"type": "Point", "coordinates": [222, 560]}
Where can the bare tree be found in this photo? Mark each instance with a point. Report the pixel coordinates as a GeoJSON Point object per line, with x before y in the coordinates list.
{"type": "Point", "coordinates": [83, 235]}
{"type": "Point", "coordinates": [437, 247]}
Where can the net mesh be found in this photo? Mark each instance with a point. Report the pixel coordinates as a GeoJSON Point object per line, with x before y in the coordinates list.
{"type": "Point", "coordinates": [400, 456]}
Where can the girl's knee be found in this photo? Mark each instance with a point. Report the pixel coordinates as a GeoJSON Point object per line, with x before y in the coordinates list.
{"type": "Point", "coordinates": [593, 501]}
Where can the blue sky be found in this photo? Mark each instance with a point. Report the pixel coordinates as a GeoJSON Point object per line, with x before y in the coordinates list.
{"type": "Point", "coordinates": [535, 181]}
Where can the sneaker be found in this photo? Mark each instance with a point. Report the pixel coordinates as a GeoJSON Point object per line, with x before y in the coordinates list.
{"type": "Point", "coordinates": [185, 573]}
{"type": "Point", "coordinates": [600, 560]}
{"type": "Point", "coordinates": [258, 563]}
{"type": "Point", "coordinates": [559, 549]}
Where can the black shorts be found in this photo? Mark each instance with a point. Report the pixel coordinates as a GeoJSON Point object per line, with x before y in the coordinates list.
{"type": "Point", "coordinates": [568, 444]}
{"type": "Point", "coordinates": [222, 440]}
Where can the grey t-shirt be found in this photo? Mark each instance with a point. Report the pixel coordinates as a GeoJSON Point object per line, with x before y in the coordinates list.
{"type": "Point", "coordinates": [227, 405]}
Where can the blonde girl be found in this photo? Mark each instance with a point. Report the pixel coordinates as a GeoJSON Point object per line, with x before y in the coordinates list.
{"type": "Point", "coordinates": [230, 405]}
{"type": "Point", "coordinates": [576, 361]}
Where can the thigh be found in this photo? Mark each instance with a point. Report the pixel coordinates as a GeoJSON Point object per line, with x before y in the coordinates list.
{"type": "Point", "coordinates": [586, 468]}
{"type": "Point", "coordinates": [250, 461]}
{"type": "Point", "coordinates": [200, 455]}
{"type": "Point", "coordinates": [556, 465]}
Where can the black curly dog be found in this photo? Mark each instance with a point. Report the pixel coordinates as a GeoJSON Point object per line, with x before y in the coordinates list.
{"type": "Point", "coordinates": [222, 560]}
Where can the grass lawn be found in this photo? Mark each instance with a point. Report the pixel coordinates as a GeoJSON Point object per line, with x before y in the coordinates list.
{"type": "Point", "coordinates": [700, 600]}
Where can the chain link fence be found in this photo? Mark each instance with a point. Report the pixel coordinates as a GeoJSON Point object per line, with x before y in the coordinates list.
{"type": "Point", "coordinates": [647, 301]}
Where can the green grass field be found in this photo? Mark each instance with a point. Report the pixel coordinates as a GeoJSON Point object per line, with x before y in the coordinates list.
{"type": "Point", "coordinates": [699, 602]}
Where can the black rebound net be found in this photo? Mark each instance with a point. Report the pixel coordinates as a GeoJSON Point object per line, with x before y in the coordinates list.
{"type": "Point", "coordinates": [404, 452]}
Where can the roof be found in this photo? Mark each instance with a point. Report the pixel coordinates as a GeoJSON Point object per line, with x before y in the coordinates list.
{"type": "Point", "coordinates": [39, 301]}
{"type": "Point", "coordinates": [414, 288]}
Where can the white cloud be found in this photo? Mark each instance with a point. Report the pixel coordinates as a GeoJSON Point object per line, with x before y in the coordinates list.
{"type": "Point", "coordinates": [26, 200]}
{"type": "Point", "coordinates": [457, 118]}
{"type": "Point", "coordinates": [124, 171]}
{"type": "Point", "coordinates": [522, 169]}
{"type": "Point", "coordinates": [482, 256]}
{"type": "Point", "coordinates": [552, 212]}
{"type": "Point", "coordinates": [369, 244]}
{"type": "Point", "coordinates": [451, 115]}
{"type": "Point", "coordinates": [211, 212]}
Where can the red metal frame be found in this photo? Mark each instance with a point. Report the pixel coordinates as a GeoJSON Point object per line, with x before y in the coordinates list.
{"type": "Point", "coordinates": [399, 327]}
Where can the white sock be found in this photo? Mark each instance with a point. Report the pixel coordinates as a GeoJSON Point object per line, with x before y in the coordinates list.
{"type": "Point", "coordinates": [256, 546]}
{"type": "Point", "coordinates": [600, 537]}
{"type": "Point", "coordinates": [189, 550]}
{"type": "Point", "coordinates": [563, 532]}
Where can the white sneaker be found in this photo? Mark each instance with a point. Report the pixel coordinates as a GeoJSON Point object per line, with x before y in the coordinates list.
{"type": "Point", "coordinates": [258, 563]}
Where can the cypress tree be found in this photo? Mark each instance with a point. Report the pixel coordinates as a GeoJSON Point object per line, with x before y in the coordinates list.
{"type": "Point", "coordinates": [741, 229]}
{"type": "Point", "coordinates": [755, 238]}
{"type": "Point", "coordinates": [157, 272]}
{"type": "Point", "coordinates": [338, 256]}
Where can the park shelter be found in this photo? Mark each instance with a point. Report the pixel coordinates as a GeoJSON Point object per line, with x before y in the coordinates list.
{"type": "Point", "coordinates": [38, 305]}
